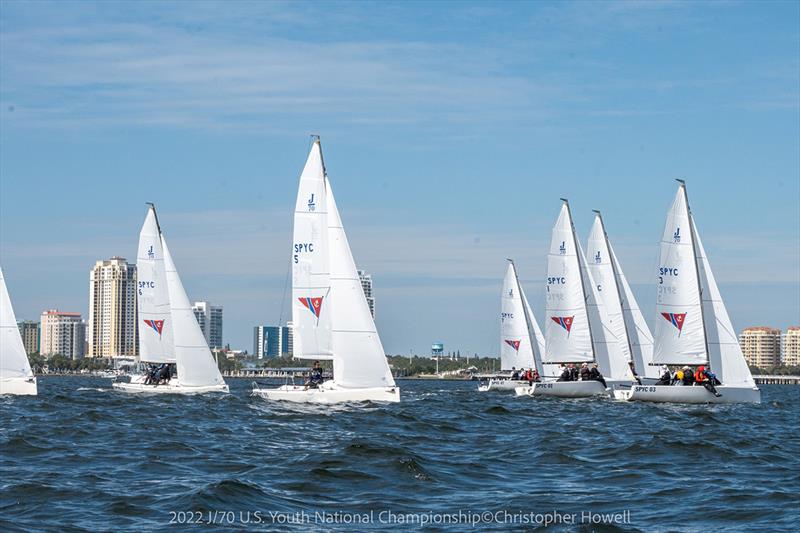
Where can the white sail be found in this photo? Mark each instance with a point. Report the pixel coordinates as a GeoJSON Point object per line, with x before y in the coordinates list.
{"type": "Point", "coordinates": [13, 359]}
{"type": "Point", "coordinates": [311, 284]}
{"type": "Point", "coordinates": [196, 365]}
{"type": "Point", "coordinates": [516, 349]}
{"type": "Point", "coordinates": [155, 322]}
{"type": "Point", "coordinates": [605, 281]}
{"type": "Point", "coordinates": [724, 352]}
{"type": "Point", "coordinates": [679, 334]}
{"type": "Point", "coordinates": [641, 340]}
{"type": "Point", "coordinates": [567, 335]}
{"type": "Point", "coordinates": [539, 346]}
{"type": "Point", "coordinates": [359, 360]}
{"type": "Point", "coordinates": [607, 346]}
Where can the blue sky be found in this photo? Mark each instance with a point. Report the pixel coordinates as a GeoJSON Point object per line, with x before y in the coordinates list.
{"type": "Point", "coordinates": [450, 131]}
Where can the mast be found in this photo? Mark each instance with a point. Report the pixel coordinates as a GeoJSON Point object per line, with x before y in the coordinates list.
{"type": "Point", "coordinates": [580, 275]}
{"type": "Point", "coordinates": [155, 214]}
{"type": "Point", "coordinates": [531, 337]}
{"type": "Point", "coordinates": [696, 269]}
{"type": "Point", "coordinates": [616, 283]}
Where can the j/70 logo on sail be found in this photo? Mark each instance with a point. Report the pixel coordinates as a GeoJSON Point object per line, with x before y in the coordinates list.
{"type": "Point", "coordinates": [514, 344]}
{"type": "Point", "coordinates": [157, 325]}
{"type": "Point", "coordinates": [312, 304]}
{"type": "Point", "coordinates": [311, 204]}
{"type": "Point", "coordinates": [676, 319]}
{"type": "Point", "coordinates": [564, 321]}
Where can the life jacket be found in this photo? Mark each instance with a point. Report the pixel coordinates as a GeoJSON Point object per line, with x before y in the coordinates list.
{"type": "Point", "coordinates": [700, 375]}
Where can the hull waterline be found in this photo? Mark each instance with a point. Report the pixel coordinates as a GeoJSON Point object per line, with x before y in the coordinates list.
{"type": "Point", "coordinates": [689, 394]}
{"type": "Point", "coordinates": [19, 386]}
{"type": "Point", "coordinates": [564, 389]}
{"type": "Point", "coordinates": [502, 385]}
{"type": "Point", "coordinates": [173, 387]}
{"type": "Point", "coordinates": [329, 394]}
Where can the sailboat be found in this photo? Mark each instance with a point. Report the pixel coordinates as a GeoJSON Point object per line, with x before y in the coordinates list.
{"type": "Point", "coordinates": [330, 314]}
{"type": "Point", "coordinates": [521, 340]}
{"type": "Point", "coordinates": [577, 328]}
{"type": "Point", "coordinates": [692, 324]}
{"type": "Point", "coordinates": [626, 319]}
{"type": "Point", "coordinates": [16, 376]}
{"type": "Point", "coordinates": [168, 330]}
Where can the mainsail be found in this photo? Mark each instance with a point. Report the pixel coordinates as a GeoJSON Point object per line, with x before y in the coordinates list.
{"type": "Point", "coordinates": [196, 366]}
{"type": "Point", "coordinates": [516, 348]}
{"type": "Point", "coordinates": [311, 283]}
{"type": "Point", "coordinates": [680, 336]}
{"type": "Point", "coordinates": [13, 359]}
{"type": "Point", "coordinates": [568, 337]}
{"type": "Point", "coordinates": [155, 323]}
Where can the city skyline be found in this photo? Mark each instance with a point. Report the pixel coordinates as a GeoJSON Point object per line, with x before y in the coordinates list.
{"type": "Point", "coordinates": [447, 159]}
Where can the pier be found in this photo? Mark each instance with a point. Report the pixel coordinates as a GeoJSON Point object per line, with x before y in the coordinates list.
{"type": "Point", "coordinates": [777, 380]}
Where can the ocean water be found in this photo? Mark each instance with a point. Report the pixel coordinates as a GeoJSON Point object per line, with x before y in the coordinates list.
{"type": "Point", "coordinates": [83, 457]}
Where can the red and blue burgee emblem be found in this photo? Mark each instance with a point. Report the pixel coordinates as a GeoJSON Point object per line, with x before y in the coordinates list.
{"type": "Point", "coordinates": [564, 321]}
{"type": "Point", "coordinates": [312, 304]}
{"type": "Point", "coordinates": [676, 319]}
{"type": "Point", "coordinates": [157, 325]}
{"type": "Point", "coordinates": [514, 344]}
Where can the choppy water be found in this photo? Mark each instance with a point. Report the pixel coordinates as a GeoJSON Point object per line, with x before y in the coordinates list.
{"type": "Point", "coordinates": [80, 456]}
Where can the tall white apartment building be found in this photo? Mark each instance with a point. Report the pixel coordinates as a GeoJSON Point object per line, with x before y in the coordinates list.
{"type": "Point", "coordinates": [210, 319]}
{"type": "Point", "coordinates": [366, 284]}
{"type": "Point", "coordinates": [113, 328]}
{"type": "Point", "coordinates": [761, 346]}
{"type": "Point", "coordinates": [62, 333]}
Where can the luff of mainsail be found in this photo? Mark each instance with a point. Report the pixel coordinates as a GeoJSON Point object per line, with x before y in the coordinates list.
{"type": "Point", "coordinates": [155, 323]}
{"type": "Point", "coordinates": [13, 359]}
{"type": "Point", "coordinates": [680, 336]}
{"type": "Point", "coordinates": [358, 357]}
{"type": "Point", "coordinates": [311, 317]}
{"type": "Point", "coordinates": [196, 366]}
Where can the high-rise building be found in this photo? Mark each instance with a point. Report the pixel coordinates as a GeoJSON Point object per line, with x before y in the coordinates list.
{"type": "Point", "coordinates": [113, 327]}
{"type": "Point", "coordinates": [272, 341]}
{"type": "Point", "coordinates": [761, 346]}
{"type": "Point", "coordinates": [63, 334]}
{"type": "Point", "coordinates": [29, 330]}
{"type": "Point", "coordinates": [210, 319]}
{"type": "Point", "coordinates": [366, 284]}
{"type": "Point", "coordinates": [790, 346]}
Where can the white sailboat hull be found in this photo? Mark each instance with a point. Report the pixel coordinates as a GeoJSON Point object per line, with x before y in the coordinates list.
{"type": "Point", "coordinates": [504, 385]}
{"type": "Point", "coordinates": [689, 394]}
{"type": "Point", "coordinates": [19, 386]}
{"type": "Point", "coordinates": [564, 389]}
{"type": "Point", "coordinates": [174, 386]}
{"type": "Point", "coordinates": [329, 393]}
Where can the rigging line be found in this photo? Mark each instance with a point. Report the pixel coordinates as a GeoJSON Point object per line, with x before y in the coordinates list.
{"type": "Point", "coordinates": [283, 298]}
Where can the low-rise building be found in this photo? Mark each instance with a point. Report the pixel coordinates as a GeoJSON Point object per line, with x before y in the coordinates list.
{"type": "Point", "coordinates": [790, 347]}
{"type": "Point", "coordinates": [63, 333]}
{"type": "Point", "coordinates": [761, 346]}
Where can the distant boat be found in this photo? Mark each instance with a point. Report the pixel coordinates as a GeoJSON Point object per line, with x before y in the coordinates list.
{"type": "Point", "coordinates": [16, 376]}
{"type": "Point", "coordinates": [692, 323]}
{"type": "Point", "coordinates": [521, 341]}
{"type": "Point", "coordinates": [330, 314]}
{"type": "Point", "coordinates": [168, 330]}
{"type": "Point", "coordinates": [577, 327]}
{"type": "Point", "coordinates": [626, 320]}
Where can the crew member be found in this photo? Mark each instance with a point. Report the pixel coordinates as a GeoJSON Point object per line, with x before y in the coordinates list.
{"type": "Point", "coordinates": [666, 377]}
{"type": "Point", "coordinates": [315, 378]}
{"type": "Point", "coordinates": [595, 374]}
{"type": "Point", "coordinates": [585, 374]}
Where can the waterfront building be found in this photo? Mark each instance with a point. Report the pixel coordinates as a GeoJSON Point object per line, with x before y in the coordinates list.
{"type": "Point", "coordinates": [790, 347]}
{"type": "Point", "coordinates": [29, 330]}
{"type": "Point", "coordinates": [112, 328]}
{"type": "Point", "coordinates": [210, 319]}
{"type": "Point", "coordinates": [272, 341]}
{"type": "Point", "coordinates": [62, 333]}
{"type": "Point", "coordinates": [761, 346]}
{"type": "Point", "coordinates": [366, 284]}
